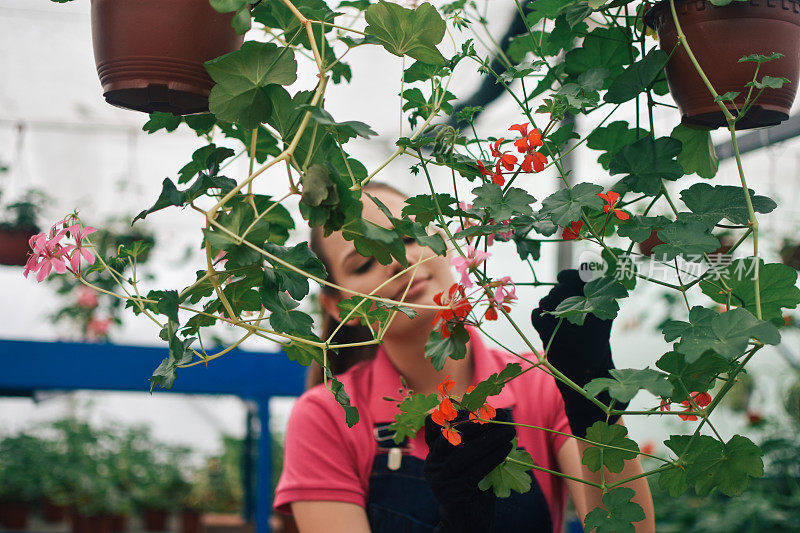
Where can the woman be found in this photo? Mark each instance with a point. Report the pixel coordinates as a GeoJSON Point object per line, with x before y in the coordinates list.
{"type": "Point", "coordinates": [340, 479]}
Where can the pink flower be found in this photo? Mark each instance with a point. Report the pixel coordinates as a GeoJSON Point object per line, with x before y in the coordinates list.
{"type": "Point", "coordinates": [502, 295]}
{"type": "Point", "coordinates": [98, 327]}
{"type": "Point", "coordinates": [87, 298]}
{"type": "Point", "coordinates": [78, 250]}
{"type": "Point", "coordinates": [47, 253]}
{"type": "Point", "coordinates": [466, 265]}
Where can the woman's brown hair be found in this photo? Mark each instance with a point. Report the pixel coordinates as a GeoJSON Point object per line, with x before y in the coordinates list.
{"type": "Point", "coordinates": [346, 357]}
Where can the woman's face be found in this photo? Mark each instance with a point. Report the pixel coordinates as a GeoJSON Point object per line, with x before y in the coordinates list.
{"type": "Point", "coordinates": [363, 274]}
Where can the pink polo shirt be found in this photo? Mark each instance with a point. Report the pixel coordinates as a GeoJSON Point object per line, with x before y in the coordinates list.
{"type": "Point", "coordinates": [326, 460]}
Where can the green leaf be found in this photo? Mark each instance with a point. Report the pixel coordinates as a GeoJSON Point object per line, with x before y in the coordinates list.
{"type": "Point", "coordinates": [726, 334]}
{"type": "Point", "coordinates": [343, 130]}
{"type": "Point", "coordinates": [491, 386]}
{"type": "Point", "coordinates": [180, 353]}
{"type": "Point", "coordinates": [612, 138]}
{"type": "Point", "coordinates": [712, 204]}
{"type": "Point", "coordinates": [412, 32]}
{"type": "Point", "coordinates": [566, 205]}
{"type": "Point", "coordinates": [413, 410]}
{"type": "Point", "coordinates": [759, 58]}
{"type": "Point", "coordinates": [625, 383]}
{"type": "Point", "coordinates": [619, 514]}
{"type": "Point", "coordinates": [292, 322]}
{"type": "Point", "coordinates": [767, 82]}
{"type": "Point", "coordinates": [241, 18]}
{"type": "Point", "coordinates": [419, 71]}
{"type": "Point", "coordinates": [242, 77]}
{"type": "Point", "coordinates": [159, 120]}
{"type": "Point", "coordinates": [287, 110]}
{"type": "Point", "coordinates": [686, 238]}
{"type": "Point", "coordinates": [600, 298]}
{"type": "Point", "coordinates": [318, 188]}
{"type": "Point", "coordinates": [300, 257]}
{"type": "Point", "coordinates": [613, 459]}
{"type": "Point", "coordinates": [372, 240]}
{"type": "Point", "coordinates": [336, 209]}
{"type": "Point", "coordinates": [637, 78]}
{"type": "Point", "coordinates": [423, 207]}
{"type": "Point", "coordinates": [638, 227]}
{"type": "Point", "coordinates": [303, 353]}
{"type": "Point", "coordinates": [502, 206]}
{"type": "Point", "coordinates": [607, 47]}
{"type": "Point", "coordinates": [730, 95]}
{"type": "Point", "coordinates": [778, 287]}
{"type": "Point", "coordinates": [337, 389]}
{"type": "Point", "coordinates": [204, 159]}
{"type": "Point", "coordinates": [698, 376]}
{"type": "Point", "coordinates": [510, 475]}
{"type": "Point", "coordinates": [167, 303]}
{"type": "Point", "coordinates": [697, 151]}
{"type": "Point", "coordinates": [170, 195]}
{"type": "Point", "coordinates": [438, 350]}
{"type": "Point", "coordinates": [646, 162]}
{"type": "Point", "coordinates": [710, 464]}
{"type": "Point", "coordinates": [363, 311]}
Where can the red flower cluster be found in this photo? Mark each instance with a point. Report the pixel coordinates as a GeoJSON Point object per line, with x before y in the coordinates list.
{"type": "Point", "coordinates": [458, 308]}
{"type": "Point", "coordinates": [573, 231]}
{"type": "Point", "coordinates": [702, 399]}
{"type": "Point", "coordinates": [445, 413]}
{"type": "Point", "coordinates": [532, 161]}
{"type": "Point", "coordinates": [486, 412]}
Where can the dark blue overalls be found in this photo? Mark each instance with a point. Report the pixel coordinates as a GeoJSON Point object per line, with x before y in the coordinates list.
{"type": "Point", "coordinates": [400, 501]}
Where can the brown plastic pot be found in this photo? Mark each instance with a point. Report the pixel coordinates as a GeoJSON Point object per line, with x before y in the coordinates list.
{"type": "Point", "coordinates": [154, 519]}
{"type": "Point", "coordinates": [190, 521]}
{"type": "Point", "coordinates": [14, 515]}
{"type": "Point", "coordinates": [53, 513]}
{"type": "Point", "coordinates": [719, 36]}
{"type": "Point", "coordinates": [150, 53]}
{"type": "Point", "coordinates": [119, 523]}
{"type": "Point", "coordinates": [14, 246]}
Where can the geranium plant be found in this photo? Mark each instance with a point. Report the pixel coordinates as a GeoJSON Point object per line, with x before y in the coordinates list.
{"type": "Point", "coordinates": [573, 58]}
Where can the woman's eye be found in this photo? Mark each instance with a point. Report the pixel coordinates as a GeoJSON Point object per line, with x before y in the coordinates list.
{"type": "Point", "coordinates": [408, 240]}
{"type": "Point", "coordinates": [363, 267]}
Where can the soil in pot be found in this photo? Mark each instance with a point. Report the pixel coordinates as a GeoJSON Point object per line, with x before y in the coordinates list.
{"type": "Point", "coordinates": [14, 515]}
{"type": "Point", "coordinates": [150, 53]}
{"type": "Point", "coordinates": [719, 36]}
{"type": "Point", "coordinates": [154, 519]}
{"type": "Point", "coordinates": [14, 247]}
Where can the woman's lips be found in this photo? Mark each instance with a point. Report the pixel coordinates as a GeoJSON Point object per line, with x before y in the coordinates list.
{"type": "Point", "coordinates": [418, 288]}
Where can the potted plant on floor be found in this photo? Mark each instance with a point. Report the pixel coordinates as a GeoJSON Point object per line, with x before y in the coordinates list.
{"type": "Point", "coordinates": [20, 479]}
{"type": "Point", "coordinates": [17, 226]}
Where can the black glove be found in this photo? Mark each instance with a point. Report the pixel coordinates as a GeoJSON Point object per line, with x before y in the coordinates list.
{"type": "Point", "coordinates": [453, 472]}
{"type": "Point", "coordinates": [581, 353]}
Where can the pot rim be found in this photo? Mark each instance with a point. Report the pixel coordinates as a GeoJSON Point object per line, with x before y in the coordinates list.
{"type": "Point", "coordinates": [650, 13]}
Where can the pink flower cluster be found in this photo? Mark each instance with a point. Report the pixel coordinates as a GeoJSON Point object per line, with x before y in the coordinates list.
{"type": "Point", "coordinates": [49, 253]}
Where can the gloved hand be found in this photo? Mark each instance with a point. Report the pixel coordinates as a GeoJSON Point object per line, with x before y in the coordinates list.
{"type": "Point", "coordinates": [581, 353]}
{"type": "Point", "coordinates": [453, 472]}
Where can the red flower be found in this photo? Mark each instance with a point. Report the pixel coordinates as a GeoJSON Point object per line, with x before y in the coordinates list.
{"type": "Point", "coordinates": [573, 231]}
{"type": "Point", "coordinates": [755, 418]}
{"type": "Point", "coordinates": [445, 387]}
{"type": "Point", "coordinates": [486, 412]}
{"type": "Point", "coordinates": [611, 198]}
{"type": "Point", "coordinates": [648, 447]}
{"type": "Point", "coordinates": [529, 141]}
{"type": "Point", "coordinates": [508, 160]}
{"type": "Point", "coordinates": [665, 405]}
{"type": "Point", "coordinates": [533, 162]}
{"type": "Point", "coordinates": [702, 399]}
{"type": "Point", "coordinates": [442, 415]}
{"type": "Point", "coordinates": [496, 176]}
{"type": "Point", "coordinates": [458, 308]}
{"type": "Point", "coordinates": [452, 435]}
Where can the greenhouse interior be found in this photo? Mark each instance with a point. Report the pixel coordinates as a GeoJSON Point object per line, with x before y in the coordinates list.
{"type": "Point", "coordinates": [455, 266]}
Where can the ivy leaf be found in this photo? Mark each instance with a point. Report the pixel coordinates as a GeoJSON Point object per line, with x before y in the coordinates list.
{"type": "Point", "coordinates": [438, 350]}
{"type": "Point", "coordinates": [612, 459]}
{"type": "Point", "coordinates": [619, 514]}
{"type": "Point", "coordinates": [344, 130]}
{"type": "Point", "coordinates": [304, 353]}
{"type": "Point", "coordinates": [411, 32]}
{"type": "Point", "coordinates": [726, 334]}
{"type": "Point", "coordinates": [698, 376]}
{"type": "Point", "coordinates": [566, 205]}
{"type": "Point", "coordinates": [206, 158]}
{"type": "Point", "coordinates": [712, 204]}
{"type": "Point", "coordinates": [697, 151]}
{"type": "Point", "coordinates": [686, 238]}
{"type": "Point", "coordinates": [170, 195]}
{"type": "Point", "coordinates": [646, 162]}
{"type": "Point", "coordinates": [508, 475]}
{"type": "Point", "coordinates": [372, 240]}
{"type": "Point", "coordinates": [337, 389]}
{"type": "Point", "coordinates": [159, 120]}
{"type": "Point", "coordinates": [241, 78]}
{"type": "Point", "coordinates": [625, 383]}
{"type": "Point", "coordinates": [638, 227]}
{"type": "Point", "coordinates": [167, 303]}
{"type": "Point", "coordinates": [491, 386]}
{"type": "Point", "coordinates": [300, 257]}
{"type": "Point", "coordinates": [637, 78]}
{"type": "Point", "coordinates": [292, 322]}
{"type": "Point", "coordinates": [778, 287]}
{"type": "Point", "coordinates": [600, 298]}
{"type": "Point", "coordinates": [337, 204]}
{"type": "Point", "coordinates": [610, 48]}
{"type": "Point", "coordinates": [612, 138]}
{"type": "Point", "coordinates": [180, 353]}
{"type": "Point", "coordinates": [287, 110]}
{"type": "Point", "coordinates": [241, 9]}
{"type": "Point", "coordinates": [413, 410]}
{"type": "Point", "coordinates": [502, 206]}
{"type": "Point", "coordinates": [767, 82]}
{"type": "Point", "coordinates": [760, 58]}
{"type": "Point", "coordinates": [363, 311]}
{"type": "Point", "coordinates": [423, 207]}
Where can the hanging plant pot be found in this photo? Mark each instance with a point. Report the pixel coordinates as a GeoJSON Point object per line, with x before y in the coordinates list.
{"type": "Point", "coordinates": [719, 36]}
{"type": "Point", "coordinates": [150, 53]}
{"type": "Point", "coordinates": [14, 246]}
